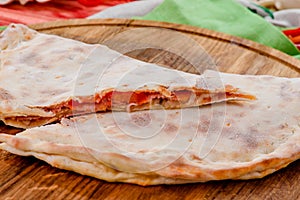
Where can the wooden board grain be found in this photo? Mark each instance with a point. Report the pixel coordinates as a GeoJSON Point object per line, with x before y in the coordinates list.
{"type": "Point", "coordinates": [182, 47]}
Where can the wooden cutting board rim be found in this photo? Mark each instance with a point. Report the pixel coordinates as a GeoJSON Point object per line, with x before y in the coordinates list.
{"type": "Point", "coordinates": [275, 54]}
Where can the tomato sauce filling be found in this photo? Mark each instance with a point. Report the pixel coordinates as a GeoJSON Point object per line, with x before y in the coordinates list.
{"type": "Point", "coordinates": [137, 98]}
{"type": "Point", "coordinates": [116, 98]}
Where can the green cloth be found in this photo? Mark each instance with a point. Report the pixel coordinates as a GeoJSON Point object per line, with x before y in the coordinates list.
{"type": "Point", "coordinates": [225, 16]}
{"type": "Point", "coordinates": [2, 28]}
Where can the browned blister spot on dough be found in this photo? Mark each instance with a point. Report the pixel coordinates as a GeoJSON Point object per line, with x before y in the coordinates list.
{"type": "Point", "coordinates": [18, 143]}
{"type": "Point", "coordinates": [141, 119]}
{"type": "Point", "coordinates": [31, 58]}
{"type": "Point", "coordinates": [5, 95]}
{"type": "Point", "coordinates": [283, 126]}
{"type": "Point", "coordinates": [79, 49]}
{"type": "Point", "coordinates": [204, 124]}
{"type": "Point", "coordinates": [7, 63]}
{"type": "Point", "coordinates": [286, 91]}
{"type": "Point", "coordinates": [203, 127]}
{"type": "Point", "coordinates": [249, 141]}
{"type": "Point", "coordinates": [170, 128]}
{"type": "Point", "coordinates": [27, 37]}
{"type": "Point", "coordinates": [195, 158]}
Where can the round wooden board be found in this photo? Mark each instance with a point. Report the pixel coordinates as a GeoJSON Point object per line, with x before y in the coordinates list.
{"type": "Point", "coordinates": [179, 46]}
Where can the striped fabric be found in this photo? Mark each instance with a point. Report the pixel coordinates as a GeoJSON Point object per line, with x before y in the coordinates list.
{"type": "Point", "coordinates": [34, 12]}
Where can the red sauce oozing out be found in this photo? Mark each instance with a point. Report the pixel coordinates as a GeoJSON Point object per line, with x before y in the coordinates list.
{"type": "Point", "coordinates": [138, 97]}
{"type": "Point", "coordinates": [115, 97]}
{"type": "Point", "coordinates": [103, 103]}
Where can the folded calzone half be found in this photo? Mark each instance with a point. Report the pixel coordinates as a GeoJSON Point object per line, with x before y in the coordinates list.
{"type": "Point", "coordinates": [44, 78]}
{"type": "Point", "coordinates": [229, 140]}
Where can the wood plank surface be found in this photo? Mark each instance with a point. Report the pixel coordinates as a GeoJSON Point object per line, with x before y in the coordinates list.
{"type": "Point", "coordinates": [178, 46]}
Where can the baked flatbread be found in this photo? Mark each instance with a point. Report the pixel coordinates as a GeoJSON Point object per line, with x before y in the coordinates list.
{"type": "Point", "coordinates": [229, 140]}
{"type": "Point", "coordinates": [45, 77]}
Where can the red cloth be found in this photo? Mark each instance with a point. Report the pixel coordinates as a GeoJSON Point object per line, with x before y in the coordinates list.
{"type": "Point", "coordinates": [34, 12]}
